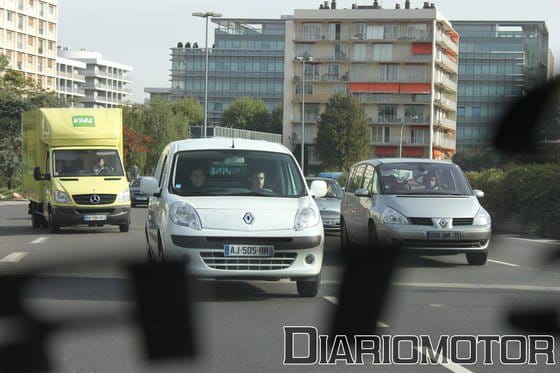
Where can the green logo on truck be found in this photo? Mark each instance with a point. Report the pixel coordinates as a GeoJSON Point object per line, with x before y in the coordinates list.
{"type": "Point", "coordinates": [83, 121]}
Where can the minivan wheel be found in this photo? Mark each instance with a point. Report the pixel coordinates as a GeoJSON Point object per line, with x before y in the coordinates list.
{"type": "Point", "coordinates": [477, 259]}
{"type": "Point", "coordinates": [309, 288]}
{"type": "Point", "coordinates": [373, 240]}
{"type": "Point", "coordinates": [344, 240]}
{"type": "Point", "coordinates": [161, 254]}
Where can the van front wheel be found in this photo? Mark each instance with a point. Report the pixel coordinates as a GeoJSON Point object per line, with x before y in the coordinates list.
{"type": "Point", "coordinates": [309, 288]}
{"type": "Point", "coordinates": [124, 227]}
{"type": "Point", "coordinates": [53, 226]}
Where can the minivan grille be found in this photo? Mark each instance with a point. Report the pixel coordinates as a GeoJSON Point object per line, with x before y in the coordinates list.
{"type": "Point", "coordinates": [217, 260]}
{"type": "Point", "coordinates": [462, 221]}
{"type": "Point", "coordinates": [84, 199]}
{"type": "Point", "coordinates": [421, 221]}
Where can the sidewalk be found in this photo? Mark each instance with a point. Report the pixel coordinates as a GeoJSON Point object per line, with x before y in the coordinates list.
{"type": "Point", "coordinates": [13, 202]}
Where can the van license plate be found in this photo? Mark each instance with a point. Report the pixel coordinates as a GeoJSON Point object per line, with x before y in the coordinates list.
{"type": "Point", "coordinates": [450, 235]}
{"type": "Point", "coordinates": [248, 250]}
{"type": "Point", "coordinates": [95, 217]}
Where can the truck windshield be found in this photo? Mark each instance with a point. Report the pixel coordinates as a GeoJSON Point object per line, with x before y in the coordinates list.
{"type": "Point", "coordinates": [87, 163]}
{"type": "Point", "coordinates": [236, 173]}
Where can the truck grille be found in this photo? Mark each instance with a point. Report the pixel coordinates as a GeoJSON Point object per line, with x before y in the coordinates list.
{"type": "Point", "coordinates": [217, 260]}
{"type": "Point", "coordinates": [84, 199]}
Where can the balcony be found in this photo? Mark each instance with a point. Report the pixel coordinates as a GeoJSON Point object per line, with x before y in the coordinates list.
{"type": "Point", "coordinates": [312, 98]}
{"type": "Point", "coordinates": [446, 123]}
{"type": "Point", "coordinates": [445, 41]}
{"type": "Point", "coordinates": [390, 120]}
{"type": "Point", "coordinates": [443, 141]}
{"type": "Point", "coordinates": [447, 63]}
{"type": "Point", "coordinates": [71, 91]}
{"type": "Point", "coordinates": [445, 82]}
{"type": "Point", "coordinates": [407, 140]}
{"type": "Point", "coordinates": [352, 37]}
{"type": "Point", "coordinates": [445, 103]}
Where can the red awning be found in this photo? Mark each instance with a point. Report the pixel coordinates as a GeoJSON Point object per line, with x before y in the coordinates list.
{"type": "Point", "coordinates": [420, 88]}
{"type": "Point", "coordinates": [386, 151]}
{"type": "Point", "coordinates": [421, 48]}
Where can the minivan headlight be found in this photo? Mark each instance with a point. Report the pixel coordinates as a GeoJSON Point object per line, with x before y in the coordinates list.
{"type": "Point", "coordinates": [124, 196]}
{"type": "Point", "coordinates": [182, 213]}
{"type": "Point", "coordinates": [392, 216]}
{"type": "Point", "coordinates": [61, 197]}
{"type": "Point", "coordinates": [306, 217]}
{"type": "Point", "coordinates": [482, 219]}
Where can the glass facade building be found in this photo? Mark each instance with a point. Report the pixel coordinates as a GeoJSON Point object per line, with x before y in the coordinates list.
{"type": "Point", "coordinates": [247, 59]}
{"type": "Point", "coordinates": [498, 62]}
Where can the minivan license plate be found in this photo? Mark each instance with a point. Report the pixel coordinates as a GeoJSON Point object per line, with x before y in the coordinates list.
{"type": "Point", "coordinates": [445, 235]}
{"type": "Point", "coordinates": [248, 250]}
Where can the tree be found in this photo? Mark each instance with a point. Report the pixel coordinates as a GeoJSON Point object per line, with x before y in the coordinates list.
{"type": "Point", "coordinates": [275, 120]}
{"type": "Point", "coordinates": [246, 113]}
{"type": "Point", "coordinates": [343, 133]}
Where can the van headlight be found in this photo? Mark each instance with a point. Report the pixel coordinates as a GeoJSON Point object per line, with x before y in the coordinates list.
{"type": "Point", "coordinates": [124, 196]}
{"type": "Point", "coordinates": [392, 216]}
{"type": "Point", "coordinates": [306, 217]}
{"type": "Point", "coordinates": [61, 197]}
{"type": "Point", "coordinates": [482, 219]}
{"type": "Point", "coordinates": [182, 213]}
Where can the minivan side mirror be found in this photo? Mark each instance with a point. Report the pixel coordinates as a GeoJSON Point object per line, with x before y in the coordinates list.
{"type": "Point", "coordinates": [38, 176]}
{"type": "Point", "coordinates": [319, 188]}
{"type": "Point", "coordinates": [149, 186]}
{"type": "Point", "coordinates": [363, 192]}
{"type": "Point", "coordinates": [478, 193]}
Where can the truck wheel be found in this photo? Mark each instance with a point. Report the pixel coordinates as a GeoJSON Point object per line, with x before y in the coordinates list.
{"type": "Point", "coordinates": [309, 288]}
{"type": "Point", "coordinates": [53, 226]}
{"type": "Point", "coordinates": [124, 227]}
{"type": "Point", "coordinates": [35, 218]}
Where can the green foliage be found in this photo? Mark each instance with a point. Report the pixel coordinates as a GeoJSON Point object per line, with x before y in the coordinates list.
{"type": "Point", "coordinates": [17, 94]}
{"type": "Point", "coordinates": [528, 194]}
{"type": "Point", "coordinates": [343, 134]}
{"type": "Point", "coordinates": [476, 159]}
{"type": "Point", "coordinates": [275, 120]}
{"type": "Point", "coordinates": [246, 113]}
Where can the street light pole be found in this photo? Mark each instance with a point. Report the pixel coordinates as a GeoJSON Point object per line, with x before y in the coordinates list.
{"type": "Point", "coordinates": [305, 57]}
{"type": "Point", "coordinates": [206, 15]}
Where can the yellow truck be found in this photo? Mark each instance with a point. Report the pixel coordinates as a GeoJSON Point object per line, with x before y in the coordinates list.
{"type": "Point", "coordinates": [72, 168]}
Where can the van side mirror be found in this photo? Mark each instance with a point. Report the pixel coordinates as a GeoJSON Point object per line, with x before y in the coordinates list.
{"type": "Point", "coordinates": [478, 193]}
{"type": "Point", "coordinates": [38, 176]}
{"type": "Point", "coordinates": [319, 188]}
{"type": "Point", "coordinates": [363, 192]}
{"type": "Point", "coordinates": [149, 186]}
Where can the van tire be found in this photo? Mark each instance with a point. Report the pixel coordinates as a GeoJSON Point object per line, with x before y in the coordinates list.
{"type": "Point", "coordinates": [53, 226]}
{"type": "Point", "coordinates": [309, 288]}
{"type": "Point", "coordinates": [477, 259]}
{"type": "Point", "coordinates": [124, 227]}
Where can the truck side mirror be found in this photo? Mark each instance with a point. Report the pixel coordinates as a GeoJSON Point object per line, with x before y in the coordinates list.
{"type": "Point", "coordinates": [37, 173]}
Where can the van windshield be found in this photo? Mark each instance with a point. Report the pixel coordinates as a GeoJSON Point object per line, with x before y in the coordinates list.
{"type": "Point", "coordinates": [236, 173]}
{"type": "Point", "coordinates": [87, 163]}
{"type": "Point", "coordinates": [423, 179]}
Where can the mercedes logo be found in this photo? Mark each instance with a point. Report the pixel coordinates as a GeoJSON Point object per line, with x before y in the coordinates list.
{"type": "Point", "coordinates": [248, 218]}
{"type": "Point", "coordinates": [443, 223]}
{"type": "Point", "coordinates": [95, 199]}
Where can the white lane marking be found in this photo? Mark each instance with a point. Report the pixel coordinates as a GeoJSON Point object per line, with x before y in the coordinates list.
{"type": "Point", "coordinates": [334, 300]}
{"type": "Point", "coordinates": [455, 368]}
{"type": "Point", "coordinates": [534, 240]}
{"type": "Point", "coordinates": [13, 257]}
{"type": "Point", "coordinates": [554, 289]}
{"type": "Point", "coordinates": [38, 240]}
{"type": "Point", "coordinates": [504, 263]}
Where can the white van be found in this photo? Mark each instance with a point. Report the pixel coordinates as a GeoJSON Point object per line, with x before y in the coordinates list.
{"type": "Point", "coordinates": [235, 208]}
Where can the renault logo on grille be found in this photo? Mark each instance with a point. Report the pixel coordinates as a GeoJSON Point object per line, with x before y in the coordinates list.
{"type": "Point", "coordinates": [95, 199]}
{"type": "Point", "coordinates": [443, 223]}
{"type": "Point", "coordinates": [248, 218]}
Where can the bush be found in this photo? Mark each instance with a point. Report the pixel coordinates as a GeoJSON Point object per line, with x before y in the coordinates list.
{"type": "Point", "coordinates": [527, 194]}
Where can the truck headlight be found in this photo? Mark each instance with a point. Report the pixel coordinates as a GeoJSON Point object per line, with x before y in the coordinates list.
{"type": "Point", "coordinates": [61, 197]}
{"type": "Point", "coordinates": [392, 216]}
{"type": "Point", "coordinates": [182, 213]}
{"type": "Point", "coordinates": [482, 219]}
{"type": "Point", "coordinates": [306, 217]}
{"type": "Point", "coordinates": [124, 196]}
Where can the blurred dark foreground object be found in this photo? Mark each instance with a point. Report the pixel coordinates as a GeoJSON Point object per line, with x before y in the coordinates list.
{"type": "Point", "coordinates": [531, 132]}
{"type": "Point", "coordinates": [162, 311]}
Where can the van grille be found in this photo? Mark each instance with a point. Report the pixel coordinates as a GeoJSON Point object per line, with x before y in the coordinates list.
{"type": "Point", "coordinates": [84, 199]}
{"type": "Point", "coordinates": [217, 260]}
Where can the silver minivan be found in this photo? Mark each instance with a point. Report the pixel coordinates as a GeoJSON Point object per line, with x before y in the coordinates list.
{"type": "Point", "coordinates": [421, 205]}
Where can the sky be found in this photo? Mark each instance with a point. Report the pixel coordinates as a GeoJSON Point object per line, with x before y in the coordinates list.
{"type": "Point", "coordinates": [140, 33]}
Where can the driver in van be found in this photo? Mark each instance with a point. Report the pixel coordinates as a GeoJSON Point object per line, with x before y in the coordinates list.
{"type": "Point", "coordinates": [257, 181]}
{"type": "Point", "coordinates": [101, 169]}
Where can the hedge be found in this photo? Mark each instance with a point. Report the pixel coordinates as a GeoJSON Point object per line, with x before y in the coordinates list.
{"type": "Point", "coordinates": [527, 194]}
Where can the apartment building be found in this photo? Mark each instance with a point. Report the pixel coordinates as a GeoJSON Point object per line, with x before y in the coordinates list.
{"type": "Point", "coordinates": [70, 81]}
{"type": "Point", "coordinates": [400, 63]}
{"type": "Point", "coordinates": [247, 59]}
{"type": "Point", "coordinates": [499, 62]}
{"type": "Point", "coordinates": [28, 38]}
{"type": "Point", "coordinates": [107, 83]}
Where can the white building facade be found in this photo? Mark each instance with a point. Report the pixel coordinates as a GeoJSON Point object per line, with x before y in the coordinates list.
{"type": "Point", "coordinates": [70, 81]}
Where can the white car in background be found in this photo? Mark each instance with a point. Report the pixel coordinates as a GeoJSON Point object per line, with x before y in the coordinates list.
{"type": "Point", "coordinates": [238, 209]}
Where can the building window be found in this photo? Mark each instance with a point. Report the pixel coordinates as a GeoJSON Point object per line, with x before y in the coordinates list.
{"type": "Point", "coordinates": [461, 111]}
{"type": "Point", "coordinates": [41, 27]}
{"type": "Point", "coordinates": [360, 30]}
{"type": "Point", "coordinates": [417, 31]}
{"type": "Point", "coordinates": [382, 52]}
{"type": "Point", "coordinates": [387, 113]}
{"type": "Point", "coordinates": [358, 72]}
{"type": "Point", "coordinates": [302, 48]}
{"type": "Point", "coordinates": [10, 36]}
{"type": "Point", "coordinates": [20, 41]}
{"type": "Point", "coordinates": [340, 52]}
{"type": "Point", "coordinates": [41, 48]}
{"type": "Point", "coordinates": [51, 10]}
{"type": "Point", "coordinates": [50, 64]}
{"type": "Point", "coordinates": [414, 113]}
{"type": "Point", "coordinates": [20, 4]}
{"type": "Point", "coordinates": [30, 21]}
{"type": "Point", "coordinates": [340, 88]}
{"type": "Point", "coordinates": [308, 89]}
{"type": "Point", "coordinates": [311, 112]}
{"type": "Point", "coordinates": [30, 41]}
{"type": "Point", "coordinates": [51, 46]}
{"type": "Point", "coordinates": [388, 73]}
{"type": "Point", "coordinates": [476, 111]}
{"type": "Point", "coordinates": [360, 51]}
{"type": "Point", "coordinates": [20, 22]}
{"type": "Point", "coordinates": [333, 71]}
{"type": "Point", "coordinates": [391, 32]}
{"type": "Point", "coordinates": [375, 32]}
{"type": "Point", "coordinates": [9, 16]}
{"type": "Point", "coordinates": [418, 137]}
{"type": "Point", "coordinates": [334, 31]}
{"type": "Point", "coordinates": [51, 27]}
{"type": "Point", "coordinates": [311, 31]}
{"type": "Point", "coordinates": [381, 134]}
{"type": "Point", "coordinates": [31, 4]}
{"type": "Point", "coordinates": [30, 61]}
{"type": "Point", "coordinates": [312, 71]}
{"type": "Point", "coordinates": [416, 73]}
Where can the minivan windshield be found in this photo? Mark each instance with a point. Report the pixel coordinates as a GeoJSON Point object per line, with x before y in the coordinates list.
{"type": "Point", "coordinates": [236, 173]}
{"type": "Point", "coordinates": [423, 179]}
{"type": "Point", "coordinates": [87, 163]}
